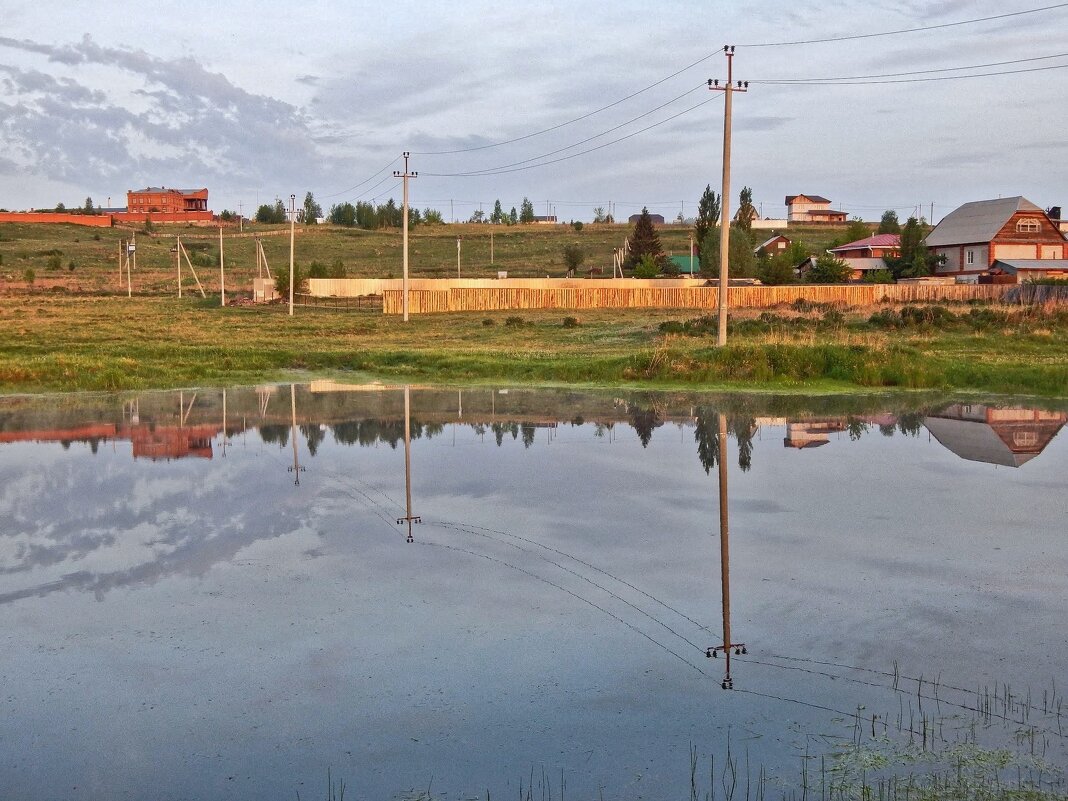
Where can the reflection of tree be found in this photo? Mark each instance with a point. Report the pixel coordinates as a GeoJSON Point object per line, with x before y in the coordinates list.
{"type": "Point", "coordinates": [528, 434]}
{"type": "Point", "coordinates": [887, 429]}
{"type": "Point", "coordinates": [706, 434]}
{"type": "Point", "coordinates": [910, 423]}
{"type": "Point", "coordinates": [314, 435]}
{"type": "Point", "coordinates": [856, 428]}
{"type": "Point", "coordinates": [271, 434]}
{"type": "Point", "coordinates": [644, 420]}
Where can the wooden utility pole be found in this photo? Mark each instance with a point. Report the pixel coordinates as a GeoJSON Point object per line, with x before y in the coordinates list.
{"type": "Point", "coordinates": [178, 256]}
{"type": "Point", "coordinates": [406, 175]}
{"type": "Point", "coordinates": [408, 518]}
{"type": "Point", "coordinates": [724, 219]}
{"type": "Point", "coordinates": [222, 271]}
{"type": "Point", "coordinates": [292, 236]}
{"type": "Point", "coordinates": [459, 239]}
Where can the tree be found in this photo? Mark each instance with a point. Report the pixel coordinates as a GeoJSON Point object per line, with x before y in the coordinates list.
{"type": "Point", "coordinates": [88, 207]}
{"type": "Point", "coordinates": [574, 255]}
{"type": "Point", "coordinates": [497, 217]}
{"type": "Point", "coordinates": [707, 216]}
{"type": "Point", "coordinates": [599, 215]}
{"type": "Point", "coordinates": [432, 217]}
{"type": "Point", "coordinates": [889, 223]}
{"type": "Point", "coordinates": [746, 210]}
{"type": "Point", "coordinates": [312, 210]}
{"type": "Point", "coordinates": [741, 259]}
{"type": "Point", "coordinates": [281, 281]}
{"type": "Point", "coordinates": [647, 267]}
{"type": "Point", "coordinates": [513, 218]}
{"type": "Point", "coordinates": [477, 217]}
{"type": "Point", "coordinates": [343, 214]}
{"type": "Point", "coordinates": [60, 207]}
{"type": "Point", "coordinates": [526, 211]}
{"type": "Point", "coordinates": [915, 260]}
{"type": "Point", "coordinates": [645, 242]}
{"type": "Point", "coordinates": [271, 214]}
{"type": "Point", "coordinates": [828, 270]}
{"type": "Point", "coordinates": [857, 230]}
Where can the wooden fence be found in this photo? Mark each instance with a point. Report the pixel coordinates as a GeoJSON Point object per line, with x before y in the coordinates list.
{"type": "Point", "coordinates": [627, 294]}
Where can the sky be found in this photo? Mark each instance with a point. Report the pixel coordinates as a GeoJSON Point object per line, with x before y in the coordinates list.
{"type": "Point", "coordinates": [572, 105]}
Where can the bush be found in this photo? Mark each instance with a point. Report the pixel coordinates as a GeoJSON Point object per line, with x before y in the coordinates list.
{"type": "Point", "coordinates": [488, 321]}
{"type": "Point", "coordinates": [70, 265]}
{"type": "Point", "coordinates": [573, 257]}
{"type": "Point", "coordinates": [577, 225]}
{"type": "Point", "coordinates": [514, 322]}
{"type": "Point", "coordinates": [672, 327]}
{"type": "Point", "coordinates": [96, 237]}
{"type": "Point", "coordinates": [54, 262]}
{"type": "Point", "coordinates": [571, 322]}
{"type": "Point", "coordinates": [29, 275]}
{"type": "Point", "coordinates": [878, 277]}
{"type": "Point", "coordinates": [281, 282]}
{"type": "Point", "coordinates": [647, 267]}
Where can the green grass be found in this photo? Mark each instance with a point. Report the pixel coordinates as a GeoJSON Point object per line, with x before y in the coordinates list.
{"type": "Point", "coordinates": [106, 343]}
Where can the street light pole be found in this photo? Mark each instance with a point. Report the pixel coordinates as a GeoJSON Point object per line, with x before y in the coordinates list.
{"type": "Point", "coordinates": [292, 235]}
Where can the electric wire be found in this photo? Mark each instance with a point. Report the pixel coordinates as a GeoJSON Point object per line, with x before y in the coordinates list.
{"type": "Point", "coordinates": [506, 169]}
{"type": "Point", "coordinates": [861, 82]}
{"type": "Point", "coordinates": [913, 72]}
{"type": "Point", "coordinates": [570, 122]}
{"type": "Point", "coordinates": [490, 170]}
{"type": "Point", "coordinates": [901, 31]}
{"type": "Point", "coordinates": [364, 181]}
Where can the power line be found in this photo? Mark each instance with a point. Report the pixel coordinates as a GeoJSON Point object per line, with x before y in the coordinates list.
{"type": "Point", "coordinates": [862, 82]}
{"type": "Point", "coordinates": [905, 30]}
{"type": "Point", "coordinates": [501, 171]}
{"type": "Point", "coordinates": [361, 183]}
{"type": "Point", "coordinates": [914, 72]}
{"type": "Point", "coordinates": [614, 128]}
{"type": "Point", "coordinates": [570, 122]}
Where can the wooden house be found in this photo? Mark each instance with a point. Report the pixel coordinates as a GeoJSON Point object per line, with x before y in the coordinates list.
{"type": "Point", "coordinates": [770, 247]}
{"type": "Point", "coordinates": [866, 255]}
{"type": "Point", "coordinates": [812, 208]}
{"type": "Point", "coordinates": [973, 237]}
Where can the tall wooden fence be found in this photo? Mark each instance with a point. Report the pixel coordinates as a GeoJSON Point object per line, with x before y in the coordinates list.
{"type": "Point", "coordinates": [428, 297]}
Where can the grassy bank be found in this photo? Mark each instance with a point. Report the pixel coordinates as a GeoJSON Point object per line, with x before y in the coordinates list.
{"type": "Point", "coordinates": [52, 342]}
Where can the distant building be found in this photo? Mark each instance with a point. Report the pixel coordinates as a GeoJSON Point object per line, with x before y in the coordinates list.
{"type": "Point", "coordinates": [811, 208]}
{"type": "Point", "coordinates": [166, 201]}
{"type": "Point", "coordinates": [866, 255]}
{"type": "Point", "coordinates": [777, 244]}
{"type": "Point", "coordinates": [658, 219]}
{"type": "Point", "coordinates": [545, 219]}
{"type": "Point", "coordinates": [973, 237]}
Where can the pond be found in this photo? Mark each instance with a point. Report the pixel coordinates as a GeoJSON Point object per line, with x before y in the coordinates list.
{"type": "Point", "coordinates": [214, 593]}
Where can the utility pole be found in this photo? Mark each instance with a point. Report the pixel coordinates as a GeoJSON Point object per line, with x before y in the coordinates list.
{"type": "Point", "coordinates": [459, 239]}
{"type": "Point", "coordinates": [222, 272]}
{"type": "Point", "coordinates": [292, 237]}
{"type": "Point", "coordinates": [491, 246]}
{"type": "Point", "coordinates": [241, 217]}
{"type": "Point", "coordinates": [406, 175]}
{"type": "Point", "coordinates": [178, 256]}
{"type": "Point", "coordinates": [724, 220]}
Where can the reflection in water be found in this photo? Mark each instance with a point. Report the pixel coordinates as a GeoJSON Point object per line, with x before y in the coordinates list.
{"type": "Point", "coordinates": [1008, 437]}
{"type": "Point", "coordinates": [725, 562]}
{"type": "Point", "coordinates": [408, 518]}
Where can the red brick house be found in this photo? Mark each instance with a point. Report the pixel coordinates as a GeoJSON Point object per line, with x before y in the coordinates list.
{"type": "Point", "coordinates": [974, 236]}
{"type": "Point", "coordinates": [777, 244]}
{"type": "Point", "coordinates": [867, 254]}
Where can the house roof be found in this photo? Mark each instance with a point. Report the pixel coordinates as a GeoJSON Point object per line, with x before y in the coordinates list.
{"type": "Point", "coordinates": [975, 441]}
{"type": "Point", "coordinates": [866, 263]}
{"type": "Point", "coordinates": [978, 221]}
{"type": "Point", "coordinates": [814, 198]}
{"type": "Point", "coordinates": [1015, 265]}
{"type": "Point", "coordinates": [683, 263]}
{"type": "Point", "coordinates": [873, 241]}
{"type": "Point", "coordinates": [767, 242]}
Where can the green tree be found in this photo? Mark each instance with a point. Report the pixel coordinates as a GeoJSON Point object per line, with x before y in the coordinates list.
{"type": "Point", "coordinates": [742, 262]}
{"type": "Point", "coordinates": [889, 223]}
{"type": "Point", "coordinates": [60, 207]}
{"type": "Point", "coordinates": [647, 267]}
{"type": "Point", "coordinates": [915, 260]}
{"type": "Point", "coordinates": [497, 217]}
{"type": "Point", "coordinates": [88, 207]}
{"type": "Point", "coordinates": [857, 230]}
{"type": "Point", "coordinates": [746, 210]}
{"type": "Point", "coordinates": [281, 282]}
{"type": "Point", "coordinates": [828, 270]}
{"type": "Point", "coordinates": [645, 241]}
{"type": "Point", "coordinates": [707, 216]}
{"type": "Point", "coordinates": [343, 214]}
{"type": "Point", "coordinates": [599, 215]}
{"type": "Point", "coordinates": [878, 277]}
{"type": "Point", "coordinates": [526, 211]}
{"type": "Point", "coordinates": [432, 217]}
{"type": "Point", "coordinates": [271, 214]}
{"type": "Point", "coordinates": [513, 218]}
{"type": "Point", "coordinates": [574, 255]}
{"type": "Point", "coordinates": [312, 210]}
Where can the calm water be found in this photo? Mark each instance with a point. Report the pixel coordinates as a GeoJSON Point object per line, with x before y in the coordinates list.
{"type": "Point", "coordinates": [208, 595]}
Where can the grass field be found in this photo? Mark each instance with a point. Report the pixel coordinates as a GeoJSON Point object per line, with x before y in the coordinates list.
{"type": "Point", "coordinates": [86, 259]}
{"type": "Point", "coordinates": [61, 342]}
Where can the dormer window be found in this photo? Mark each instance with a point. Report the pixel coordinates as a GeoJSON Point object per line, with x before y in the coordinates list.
{"type": "Point", "coordinates": [1027, 225]}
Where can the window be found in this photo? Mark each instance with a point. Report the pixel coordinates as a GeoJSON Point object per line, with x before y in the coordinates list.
{"type": "Point", "coordinates": [1027, 226]}
{"type": "Point", "coordinates": [969, 257]}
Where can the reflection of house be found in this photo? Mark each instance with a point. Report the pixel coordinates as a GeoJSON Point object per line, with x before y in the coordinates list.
{"type": "Point", "coordinates": [867, 254]}
{"type": "Point", "coordinates": [172, 442]}
{"type": "Point", "coordinates": [94, 432]}
{"type": "Point", "coordinates": [1011, 229]}
{"type": "Point", "coordinates": [1006, 437]}
{"type": "Point", "coordinates": [811, 434]}
{"type": "Point", "coordinates": [812, 208]}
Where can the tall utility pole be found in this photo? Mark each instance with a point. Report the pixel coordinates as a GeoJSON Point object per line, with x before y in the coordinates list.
{"type": "Point", "coordinates": [724, 219]}
{"type": "Point", "coordinates": [292, 237]}
{"type": "Point", "coordinates": [406, 175]}
{"type": "Point", "coordinates": [222, 271]}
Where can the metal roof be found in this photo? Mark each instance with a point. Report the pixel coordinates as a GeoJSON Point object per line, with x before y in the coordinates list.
{"type": "Point", "coordinates": [813, 198]}
{"type": "Point", "coordinates": [873, 241]}
{"type": "Point", "coordinates": [978, 221]}
{"type": "Point", "coordinates": [1012, 265]}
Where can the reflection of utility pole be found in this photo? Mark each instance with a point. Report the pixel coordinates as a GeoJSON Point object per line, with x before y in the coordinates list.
{"type": "Point", "coordinates": [725, 563]}
{"type": "Point", "coordinates": [725, 221]}
{"type": "Point", "coordinates": [296, 469]}
{"type": "Point", "coordinates": [408, 517]}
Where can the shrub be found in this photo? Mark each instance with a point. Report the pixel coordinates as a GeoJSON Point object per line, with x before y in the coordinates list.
{"type": "Point", "coordinates": [571, 322]}
{"type": "Point", "coordinates": [577, 225]}
{"type": "Point", "coordinates": [514, 322]}
{"type": "Point", "coordinates": [54, 262]}
{"type": "Point", "coordinates": [672, 327]}
{"type": "Point", "coordinates": [488, 321]}
{"type": "Point", "coordinates": [29, 275]}
{"type": "Point", "coordinates": [96, 237]}
{"type": "Point", "coordinates": [878, 277]}
{"type": "Point", "coordinates": [647, 267]}
{"type": "Point", "coordinates": [70, 265]}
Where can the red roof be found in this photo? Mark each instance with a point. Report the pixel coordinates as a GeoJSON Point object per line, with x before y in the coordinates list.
{"type": "Point", "coordinates": [873, 241]}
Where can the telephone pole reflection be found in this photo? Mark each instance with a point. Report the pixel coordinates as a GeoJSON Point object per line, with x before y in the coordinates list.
{"type": "Point", "coordinates": [296, 469]}
{"type": "Point", "coordinates": [725, 564]}
{"type": "Point", "coordinates": [408, 517]}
